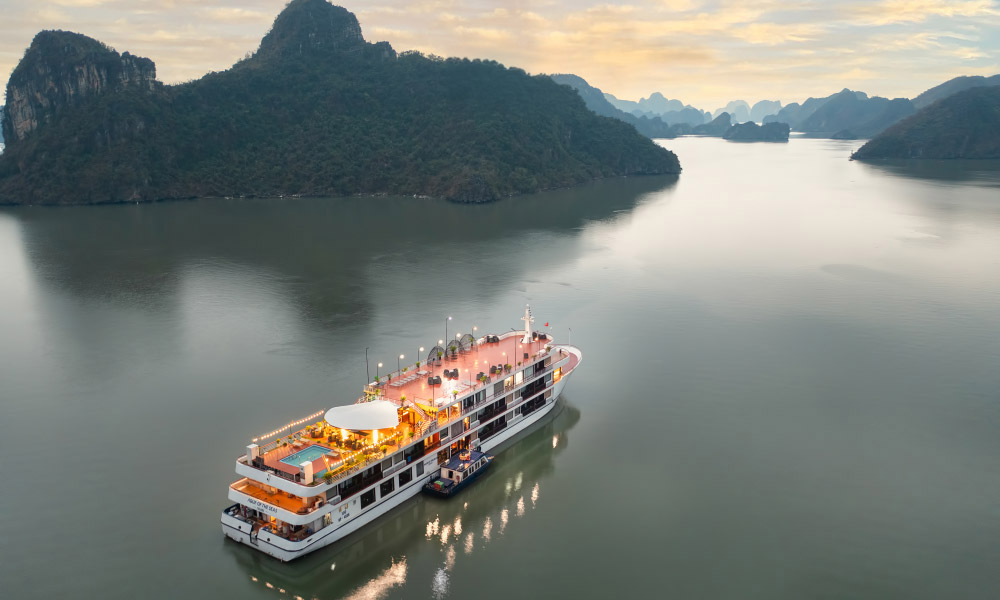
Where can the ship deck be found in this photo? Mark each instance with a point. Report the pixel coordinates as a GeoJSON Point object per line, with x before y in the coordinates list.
{"type": "Point", "coordinates": [412, 383]}
{"type": "Point", "coordinates": [280, 499]}
{"type": "Point", "coordinates": [350, 447]}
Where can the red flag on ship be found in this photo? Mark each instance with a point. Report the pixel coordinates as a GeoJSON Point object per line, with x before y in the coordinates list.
{"type": "Point", "coordinates": [546, 323]}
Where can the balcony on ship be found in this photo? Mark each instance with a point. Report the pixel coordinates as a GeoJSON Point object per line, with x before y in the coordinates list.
{"type": "Point", "coordinates": [420, 405]}
{"type": "Point", "coordinates": [277, 498]}
{"type": "Point", "coordinates": [258, 524]}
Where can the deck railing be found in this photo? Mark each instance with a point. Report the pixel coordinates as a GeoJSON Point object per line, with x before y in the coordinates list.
{"type": "Point", "coordinates": [421, 428]}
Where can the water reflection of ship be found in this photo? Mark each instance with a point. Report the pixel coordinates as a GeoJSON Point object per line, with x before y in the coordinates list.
{"type": "Point", "coordinates": [369, 563]}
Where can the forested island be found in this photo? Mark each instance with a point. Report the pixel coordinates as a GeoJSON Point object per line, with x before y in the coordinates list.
{"type": "Point", "coordinates": [962, 125]}
{"type": "Point", "coordinates": [316, 110]}
{"type": "Point", "coordinates": [752, 132]}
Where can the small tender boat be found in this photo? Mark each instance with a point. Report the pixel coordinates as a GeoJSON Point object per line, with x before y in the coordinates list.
{"type": "Point", "coordinates": [458, 472]}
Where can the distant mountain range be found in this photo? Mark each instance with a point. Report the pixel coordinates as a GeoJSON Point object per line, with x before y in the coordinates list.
{"type": "Point", "coordinates": [962, 125]}
{"type": "Point", "coordinates": [658, 106]}
{"type": "Point", "coordinates": [652, 127]}
{"type": "Point", "coordinates": [655, 127]}
{"type": "Point", "coordinates": [846, 114]}
{"type": "Point", "coordinates": [316, 110]}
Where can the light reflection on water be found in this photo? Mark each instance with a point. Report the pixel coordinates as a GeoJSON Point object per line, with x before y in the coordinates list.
{"type": "Point", "coordinates": [379, 587]}
{"type": "Point", "coordinates": [487, 529]}
{"type": "Point", "coordinates": [452, 532]}
{"type": "Point", "coordinates": [795, 354]}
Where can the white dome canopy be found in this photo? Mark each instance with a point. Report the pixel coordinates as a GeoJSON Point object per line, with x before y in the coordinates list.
{"type": "Point", "coordinates": [366, 416]}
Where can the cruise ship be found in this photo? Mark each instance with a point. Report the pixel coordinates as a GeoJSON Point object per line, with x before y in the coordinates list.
{"type": "Point", "coordinates": [320, 478]}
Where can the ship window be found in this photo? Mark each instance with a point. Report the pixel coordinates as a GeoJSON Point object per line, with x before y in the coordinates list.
{"type": "Point", "coordinates": [405, 477]}
{"type": "Point", "coordinates": [387, 487]}
{"type": "Point", "coordinates": [368, 498]}
{"type": "Point", "coordinates": [420, 469]}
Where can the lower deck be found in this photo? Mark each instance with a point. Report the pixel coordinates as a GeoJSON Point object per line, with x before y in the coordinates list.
{"type": "Point", "coordinates": [287, 542]}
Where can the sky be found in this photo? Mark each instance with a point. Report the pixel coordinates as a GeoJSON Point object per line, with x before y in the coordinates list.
{"type": "Point", "coordinates": [703, 52]}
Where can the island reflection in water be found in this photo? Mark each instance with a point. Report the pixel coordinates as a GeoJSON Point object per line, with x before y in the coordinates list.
{"type": "Point", "coordinates": [328, 255]}
{"type": "Point", "coordinates": [974, 172]}
{"type": "Point", "coordinates": [789, 383]}
{"type": "Point", "coordinates": [423, 540]}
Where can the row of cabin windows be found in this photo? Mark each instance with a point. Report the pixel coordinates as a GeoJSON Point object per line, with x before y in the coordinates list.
{"type": "Point", "coordinates": [499, 387]}
{"type": "Point", "coordinates": [416, 451]}
{"type": "Point", "coordinates": [451, 474]}
{"type": "Point", "coordinates": [532, 405]}
{"type": "Point", "coordinates": [492, 410]}
{"type": "Point", "coordinates": [518, 377]}
{"type": "Point", "coordinates": [374, 473]}
{"type": "Point", "coordinates": [389, 486]}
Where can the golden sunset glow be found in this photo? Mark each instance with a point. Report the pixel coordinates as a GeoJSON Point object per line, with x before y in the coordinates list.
{"type": "Point", "coordinates": [702, 52]}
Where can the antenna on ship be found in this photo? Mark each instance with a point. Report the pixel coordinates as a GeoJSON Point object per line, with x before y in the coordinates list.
{"type": "Point", "coordinates": [528, 320]}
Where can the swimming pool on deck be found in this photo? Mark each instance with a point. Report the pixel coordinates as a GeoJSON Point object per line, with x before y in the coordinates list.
{"type": "Point", "coordinates": [306, 454]}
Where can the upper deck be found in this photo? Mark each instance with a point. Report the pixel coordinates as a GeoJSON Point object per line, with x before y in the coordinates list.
{"type": "Point", "coordinates": [421, 406]}
{"type": "Point", "coordinates": [411, 382]}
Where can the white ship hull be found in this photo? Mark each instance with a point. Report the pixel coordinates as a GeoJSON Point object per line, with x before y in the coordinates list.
{"type": "Point", "coordinates": [285, 550]}
{"type": "Point", "coordinates": [290, 515]}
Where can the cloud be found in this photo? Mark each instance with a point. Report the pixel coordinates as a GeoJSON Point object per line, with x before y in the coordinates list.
{"type": "Point", "coordinates": [886, 12]}
{"type": "Point", "coordinates": [75, 3]}
{"type": "Point", "coordinates": [53, 15]}
{"type": "Point", "coordinates": [773, 33]}
{"type": "Point", "coordinates": [480, 35]}
{"type": "Point", "coordinates": [704, 51]}
{"type": "Point", "coordinates": [230, 14]}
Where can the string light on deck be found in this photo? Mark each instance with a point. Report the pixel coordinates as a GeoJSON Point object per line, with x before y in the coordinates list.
{"type": "Point", "coordinates": [290, 425]}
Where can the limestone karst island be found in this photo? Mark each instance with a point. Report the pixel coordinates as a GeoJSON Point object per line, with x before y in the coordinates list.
{"type": "Point", "coordinates": [491, 300]}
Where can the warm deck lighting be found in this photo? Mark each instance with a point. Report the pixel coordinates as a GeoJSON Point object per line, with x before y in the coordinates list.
{"type": "Point", "coordinates": [286, 427]}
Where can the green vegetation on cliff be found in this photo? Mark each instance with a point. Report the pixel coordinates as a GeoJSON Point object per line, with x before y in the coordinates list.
{"type": "Point", "coordinates": [752, 132]}
{"type": "Point", "coordinates": [963, 125]}
{"type": "Point", "coordinates": [953, 86]}
{"type": "Point", "coordinates": [318, 111]}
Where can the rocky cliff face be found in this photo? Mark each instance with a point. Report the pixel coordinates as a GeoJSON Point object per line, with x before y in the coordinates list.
{"type": "Point", "coordinates": [752, 132]}
{"type": "Point", "coordinates": [314, 26]}
{"type": "Point", "coordinates": [62, 69]}
{"type": "Point", "coordinates": [316, 111]}
{"type": "Point", "coordinates": [965, 125]}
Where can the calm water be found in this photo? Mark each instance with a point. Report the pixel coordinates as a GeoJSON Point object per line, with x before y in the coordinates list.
{"type": "Point", "coordinates": [791, 384]}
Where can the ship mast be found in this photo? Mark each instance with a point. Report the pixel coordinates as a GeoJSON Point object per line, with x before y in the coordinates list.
{"type": "Point", "coordinates": [528, 320]}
